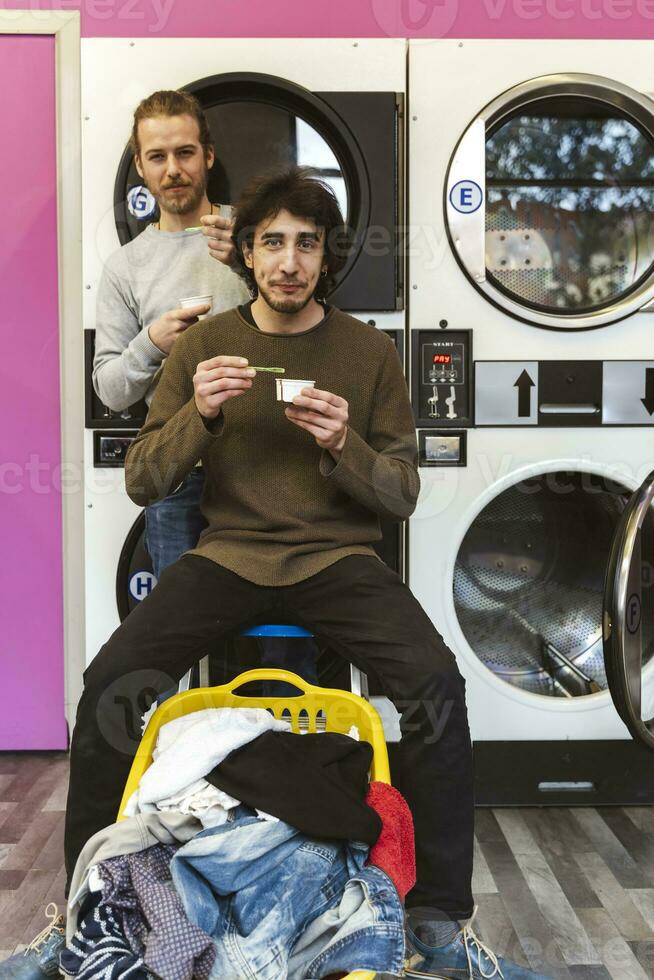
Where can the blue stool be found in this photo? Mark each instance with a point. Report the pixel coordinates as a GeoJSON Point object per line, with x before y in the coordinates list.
{"type": "Point", "coordinates": [358, 680]}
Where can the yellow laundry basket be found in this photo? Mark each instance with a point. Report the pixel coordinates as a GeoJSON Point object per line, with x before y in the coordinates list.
{"type": "Point", "coordinates": [316, 709]}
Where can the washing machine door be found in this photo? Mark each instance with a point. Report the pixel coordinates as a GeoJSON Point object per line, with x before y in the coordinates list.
{"type": "Point", "coordinates": [628, 622]}
{"type": "Point", "coordinates": [351, 140]}
{"type": "Point", "coordinates": [134, 577]}
{"type": "Point", "coordinates": [549, 201]}
{"type": "Point", "coordinates": [529, 581]}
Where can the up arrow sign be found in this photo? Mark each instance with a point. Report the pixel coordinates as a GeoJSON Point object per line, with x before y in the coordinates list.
{"type": "Point", "coordinates": [524, 384]}
{"type": "Point", "coordinates": [648, 400]}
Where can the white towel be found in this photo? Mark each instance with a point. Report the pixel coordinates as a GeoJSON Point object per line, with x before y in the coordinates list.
{"type": "Point", "coordinates": [189, 747]}
{"type": "Point", "coordinates": [197, 799]}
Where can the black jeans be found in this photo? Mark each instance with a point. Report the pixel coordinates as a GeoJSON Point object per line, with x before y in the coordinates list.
{"type": "Point", "coordinates": [363, 610]}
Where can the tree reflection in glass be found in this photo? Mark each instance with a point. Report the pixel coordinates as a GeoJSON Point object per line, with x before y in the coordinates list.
{"type": "Point", "coordinates": [570, 205]}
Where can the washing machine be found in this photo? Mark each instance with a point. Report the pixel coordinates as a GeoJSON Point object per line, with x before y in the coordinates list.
{"type": "Point", "coordinates": [531, 280]}
{"type": "Point", "coordinates": [336, 105]}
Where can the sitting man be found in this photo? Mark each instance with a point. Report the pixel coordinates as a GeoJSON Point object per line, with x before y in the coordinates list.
{"type": "Point", "coordinates": [293, 497]}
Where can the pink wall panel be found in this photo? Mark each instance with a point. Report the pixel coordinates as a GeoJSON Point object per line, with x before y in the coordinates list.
{"type": "Point", "coordinates": [357, 18]}
{"type": "Point", "coordinates": [31, 595]}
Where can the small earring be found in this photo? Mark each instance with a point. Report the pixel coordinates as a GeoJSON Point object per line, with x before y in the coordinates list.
{"type": "Point", "coordinates": [323, 273]}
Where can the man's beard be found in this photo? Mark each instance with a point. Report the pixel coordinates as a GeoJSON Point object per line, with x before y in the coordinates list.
{"type": "Point", "coordinates": [289, 304]}
{"type": "Point", "coordinates": [190, 199]}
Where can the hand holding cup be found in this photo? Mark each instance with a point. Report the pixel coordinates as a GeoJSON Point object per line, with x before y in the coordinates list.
{"type": "Point", "coordinates": [164, 332]}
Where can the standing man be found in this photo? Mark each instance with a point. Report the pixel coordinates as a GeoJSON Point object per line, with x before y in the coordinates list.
{"type": "Point", "coordinates": [293, 498]}
{"type": "Point", "coordinates": [139, 314]}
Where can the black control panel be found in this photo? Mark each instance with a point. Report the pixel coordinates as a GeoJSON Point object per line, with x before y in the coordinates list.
{"type": "Point", "coordinates": [98, 416]}
{"type": "Point", "coordinates": [442, 378]}
{"type": "Point", "coordinates": [397, 336]}
{"type": "Point", "coordinates": [110, 448]}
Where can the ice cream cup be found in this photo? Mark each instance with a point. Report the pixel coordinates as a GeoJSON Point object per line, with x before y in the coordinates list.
{"type": "Point", "coordinates": [188, 301]}
{"type": "Point", "coordinates": [288, 388]}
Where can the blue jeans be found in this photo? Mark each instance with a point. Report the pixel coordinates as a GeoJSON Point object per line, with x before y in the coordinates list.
{"type": "Point", "coordinates": [262, 889]}
{"type": "Point", "coordinates": [173, 526]}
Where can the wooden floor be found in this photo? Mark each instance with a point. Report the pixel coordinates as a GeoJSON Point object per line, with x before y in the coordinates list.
{"type": "Point", "coordinates": [568, 892]}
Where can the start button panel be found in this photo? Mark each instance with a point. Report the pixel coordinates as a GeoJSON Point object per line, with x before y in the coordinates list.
{"type": "Point", "coordinates": [442, 378]}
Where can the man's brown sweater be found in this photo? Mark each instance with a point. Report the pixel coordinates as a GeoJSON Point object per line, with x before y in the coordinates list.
{"type": "Point", "coordinates": [280, 508]}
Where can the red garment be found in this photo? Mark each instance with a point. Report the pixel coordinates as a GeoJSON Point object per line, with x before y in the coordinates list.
{"type": "Point", "coordinates": [395, 850]}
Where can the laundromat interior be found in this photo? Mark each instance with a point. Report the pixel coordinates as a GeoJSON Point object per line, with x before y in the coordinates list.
{"type": "Point", "coordinates": [494, 164]}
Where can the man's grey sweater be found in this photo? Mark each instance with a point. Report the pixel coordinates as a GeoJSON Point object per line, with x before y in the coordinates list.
{"type": "Point", "coordinates": [141, 281]}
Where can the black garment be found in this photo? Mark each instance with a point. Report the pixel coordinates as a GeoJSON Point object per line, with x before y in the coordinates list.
{"type": "Point", "coordinates": [246, 312]}
{"type": "Point", "coordinates": [364, 611]}
{"type": "Point", "coordinates": [317, 783]}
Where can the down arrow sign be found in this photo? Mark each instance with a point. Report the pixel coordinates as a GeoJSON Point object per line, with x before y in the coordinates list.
{"type": "Point", "coordinates": [523, 384]}
{"type": "Point", "coordinates": [648, 400]}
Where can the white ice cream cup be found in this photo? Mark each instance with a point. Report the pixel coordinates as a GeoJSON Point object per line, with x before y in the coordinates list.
{"type": "Point", "coordinates": [288, 388]}
{"type": "Point", "coordinates": [187, 301]}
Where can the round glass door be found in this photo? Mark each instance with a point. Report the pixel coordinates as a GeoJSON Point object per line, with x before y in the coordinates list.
{"type": "Point", "coordinates": [260, 123]}
{"type": "Point", "coordinates": [529, 582]}
{"type": "Point", "coordinates": [251, 138]}
{"type": "Point", "coordinates": [567, 223]}
{"type": "Point", "coordinates": [628, 632]}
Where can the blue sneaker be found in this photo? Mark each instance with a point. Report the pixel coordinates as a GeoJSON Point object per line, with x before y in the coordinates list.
{"type": "Point", "coordinates": [41, 958]}
{"type": "Point", "coordinates": [465, 958]}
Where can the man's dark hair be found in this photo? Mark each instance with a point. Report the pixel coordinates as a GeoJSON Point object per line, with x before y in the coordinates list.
{"type": "Point", "coordinates": [301, 192]}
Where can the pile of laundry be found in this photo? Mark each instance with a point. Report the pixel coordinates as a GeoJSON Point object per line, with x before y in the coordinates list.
{"type": "Point", "coordinates": [248, 852]}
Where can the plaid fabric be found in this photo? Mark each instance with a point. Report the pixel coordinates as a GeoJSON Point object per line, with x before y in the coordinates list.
{"type": "Point", "coordinates": [138, 925]}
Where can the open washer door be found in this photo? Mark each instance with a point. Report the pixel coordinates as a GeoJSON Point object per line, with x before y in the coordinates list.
{"type": "Point", "coordinates": [628, 622]}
